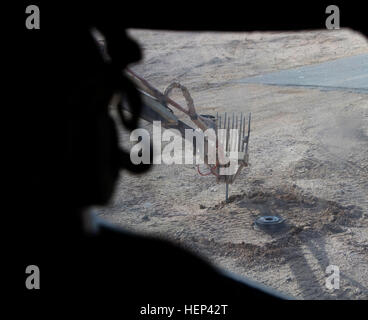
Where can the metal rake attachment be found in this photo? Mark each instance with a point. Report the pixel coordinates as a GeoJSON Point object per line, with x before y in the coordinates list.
{"type": "Point", "coordinates": [231, 141]}
{"type": "Point", "coordinates": [234, 142]}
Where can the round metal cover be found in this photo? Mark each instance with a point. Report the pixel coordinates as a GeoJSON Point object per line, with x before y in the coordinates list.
{"type": "Point", "coordinates": [269, 222]}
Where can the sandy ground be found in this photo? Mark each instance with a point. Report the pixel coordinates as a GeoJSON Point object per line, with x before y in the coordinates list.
{"type": "Point", "coordinates": [308, 154]}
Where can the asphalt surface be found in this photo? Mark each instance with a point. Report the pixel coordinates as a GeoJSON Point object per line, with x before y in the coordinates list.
{"type": "Point", "coordinates": [350, 73]}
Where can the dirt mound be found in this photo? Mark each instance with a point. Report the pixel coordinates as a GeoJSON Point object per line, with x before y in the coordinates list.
{"type": "Point", "coordinates": [299, 208]}
{"type": "Point", "coordinates": [307, 218]}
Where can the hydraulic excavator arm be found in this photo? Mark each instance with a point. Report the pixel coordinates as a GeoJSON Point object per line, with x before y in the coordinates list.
{"type": "Point", "coordinates": [231, 140]}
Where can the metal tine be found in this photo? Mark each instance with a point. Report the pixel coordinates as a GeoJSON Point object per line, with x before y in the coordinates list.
{"type": "Point", "coordinates": [224, 127]}
{"type": "Point", "coordinates": [249, 117]}
{"type": "Point", "coordinates": [243, 133]}
{"type": "Point", "coordinates": [218, 127]}
{"type": "Point", "coordinates": [232, 138]}
{"type": "Point", "coordinates": [240, 129]}
{"type": "Point", "coordinates": [227, 133]}
{"type": "Point", "coordinates": [228, 149]}
{"type": "Point", "coordinates": [236, 127]}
